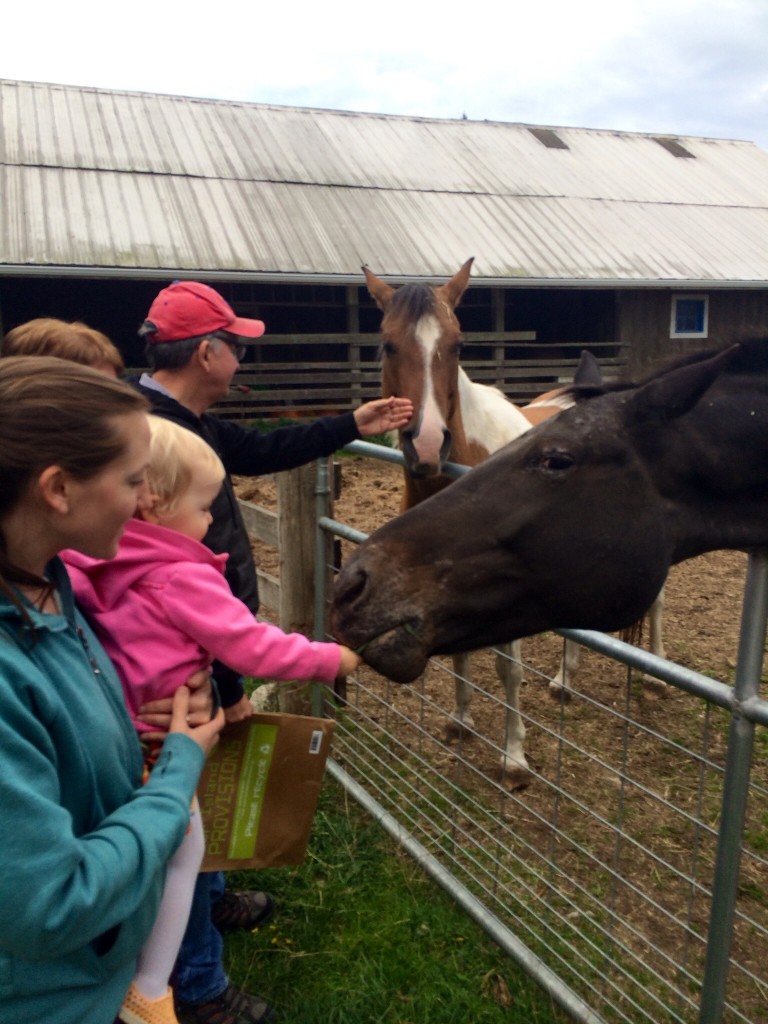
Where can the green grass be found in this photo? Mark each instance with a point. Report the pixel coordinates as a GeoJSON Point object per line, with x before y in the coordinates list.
{"type": "Point", "coordinates": [362, 935]}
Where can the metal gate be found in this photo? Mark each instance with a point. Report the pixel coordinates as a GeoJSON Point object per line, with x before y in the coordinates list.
{"type": "Point", "coordinates": [630, 894]}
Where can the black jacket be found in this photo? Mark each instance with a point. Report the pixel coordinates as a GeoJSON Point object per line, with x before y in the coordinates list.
{"type": "Point", "coordinates": [247, 452]}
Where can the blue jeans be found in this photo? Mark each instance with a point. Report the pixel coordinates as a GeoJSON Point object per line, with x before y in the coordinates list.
{"type": "Point", "coordinates": [199, 974]}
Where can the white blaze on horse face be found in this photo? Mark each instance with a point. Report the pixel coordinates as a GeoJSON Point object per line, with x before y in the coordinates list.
{"type": "Point", "coordinates": [432, 426]}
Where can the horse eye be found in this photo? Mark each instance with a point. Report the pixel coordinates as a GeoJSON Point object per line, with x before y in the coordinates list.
{"type": "Point", "coordinates": [553, 462]}
{"type": "Point", "coordinates": [388, 348]}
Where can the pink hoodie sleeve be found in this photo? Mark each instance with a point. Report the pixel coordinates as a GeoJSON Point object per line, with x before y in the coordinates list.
{"type": "Point", "coordinates": [198, 601]}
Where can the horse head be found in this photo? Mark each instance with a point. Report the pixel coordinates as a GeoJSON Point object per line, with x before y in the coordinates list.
{"type": "Point", "coordinates": [574, 524]}
{"type": "Point", "coordinates": [421, 343]}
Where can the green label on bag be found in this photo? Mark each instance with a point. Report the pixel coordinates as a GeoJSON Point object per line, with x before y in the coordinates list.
{"type": "Point", "coordinates": [252, 784]}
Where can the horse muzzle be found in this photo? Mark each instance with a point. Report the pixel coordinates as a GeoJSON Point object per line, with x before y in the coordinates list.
{"type": "Point", "coordinates": [423, 459]}
{"type": "Point", "coordinates": [389, 638]}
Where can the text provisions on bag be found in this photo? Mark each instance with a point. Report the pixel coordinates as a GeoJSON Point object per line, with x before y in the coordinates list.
{"type": "Point", "coordinates": [259, 789]}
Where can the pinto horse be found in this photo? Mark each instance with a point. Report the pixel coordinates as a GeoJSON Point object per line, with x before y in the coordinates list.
{"type": "Point", "coordinates": [644, 476]}
{"type": "Point", "coordinates": [460, 421]}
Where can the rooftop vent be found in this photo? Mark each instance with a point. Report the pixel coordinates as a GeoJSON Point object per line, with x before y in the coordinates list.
{"type": "Point", "coordinates": [548, 138]}
{"type": "Point", "coordinates": [675, 148]}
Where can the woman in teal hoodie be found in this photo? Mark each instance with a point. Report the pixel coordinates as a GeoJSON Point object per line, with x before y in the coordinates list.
{"type": "Point", "coordinates": [84, 844]}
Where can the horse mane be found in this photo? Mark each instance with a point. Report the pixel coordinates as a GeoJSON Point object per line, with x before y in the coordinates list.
{"type": "Point", "coordinates": [409, 304]}
{"type": "Point", "coordinates": [412, 301]}
{"type": "Point", "coordinates": [750, 357]}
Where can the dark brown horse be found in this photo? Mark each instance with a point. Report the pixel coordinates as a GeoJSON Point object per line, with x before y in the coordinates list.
{"type": "Point", "coordinates": [457, 420]}
{"type": "Point", "coordinates": [574, 524]}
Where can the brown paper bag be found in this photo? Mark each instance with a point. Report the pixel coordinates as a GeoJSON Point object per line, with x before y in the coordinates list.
{"type": "Point", "coordinates": [259, 788]}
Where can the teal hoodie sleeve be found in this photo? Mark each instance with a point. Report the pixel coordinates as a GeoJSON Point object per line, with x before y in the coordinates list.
{"type": "Point", "coordinates": [85, 844]}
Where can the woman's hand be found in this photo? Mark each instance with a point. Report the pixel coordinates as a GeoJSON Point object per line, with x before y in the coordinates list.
{"type": "Point", "coordinates": [201, 703]}
{"type": "Point", "coordinates": [206, 735]}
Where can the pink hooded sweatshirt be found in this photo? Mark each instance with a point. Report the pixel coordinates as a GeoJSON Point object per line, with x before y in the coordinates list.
{"type": "Point", "coordinates": [162, 609]}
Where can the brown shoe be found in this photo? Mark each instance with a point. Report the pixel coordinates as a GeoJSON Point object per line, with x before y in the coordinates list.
{"type": "Point", "coordinates": [231, 1007]}
{"type": "Point", "coordinates": [242, 910]}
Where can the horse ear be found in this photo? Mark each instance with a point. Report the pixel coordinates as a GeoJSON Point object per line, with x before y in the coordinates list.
{"type": "Point", "coordinates": [455, 288]}
{"type": "Point", "coordinates": [379, 291]}
{"type": "Point", "coordinates": [675, 393]}
{"type": "Point", "coordinates": [588, 371]}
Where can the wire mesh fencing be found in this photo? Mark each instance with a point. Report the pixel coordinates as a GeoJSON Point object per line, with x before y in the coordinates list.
{"type": "Point", "coordinates": [630, 874]}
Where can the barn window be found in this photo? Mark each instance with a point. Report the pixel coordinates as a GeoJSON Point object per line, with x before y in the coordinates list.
{"type": "Point", "coordinates": [690, 316]}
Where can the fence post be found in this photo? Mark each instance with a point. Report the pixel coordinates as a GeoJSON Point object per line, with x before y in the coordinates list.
{"type": "Point", "coordinates": [498, 325]}
{"type": "Point", "coordinates": [327, 485]}
{"type": "Point", "coordinates": [296, 543]}
{"type": "Point", "coordinates": [735, 790]}
{"type": "Point", "coordinates": [353, 349]}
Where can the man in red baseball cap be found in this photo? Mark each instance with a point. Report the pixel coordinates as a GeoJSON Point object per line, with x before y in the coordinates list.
{"type": "Point", "coordinates": [194, 342]}
{"type": "Point", "coordinates": [189, 309]}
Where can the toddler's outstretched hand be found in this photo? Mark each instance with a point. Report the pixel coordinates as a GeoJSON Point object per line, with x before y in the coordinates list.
{"type": "Point", "coordinates": [349, 660]}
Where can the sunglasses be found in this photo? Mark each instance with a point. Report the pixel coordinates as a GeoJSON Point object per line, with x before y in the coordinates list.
{"type": "Point", "coordinates": [238, 350]}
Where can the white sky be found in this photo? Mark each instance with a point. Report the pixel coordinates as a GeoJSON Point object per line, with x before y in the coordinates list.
{"type": "Point", "coordinates": [687, 67]}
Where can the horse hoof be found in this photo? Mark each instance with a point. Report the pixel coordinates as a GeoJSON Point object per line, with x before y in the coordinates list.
{"type": "Point", "coordinates": [558, 692]}
{"type": "Point", "coordinates": [654, 689]}
{"type": "Point", "coordinates": [515, 777]}
{"type": "Point", "coordinates": [455, 730]}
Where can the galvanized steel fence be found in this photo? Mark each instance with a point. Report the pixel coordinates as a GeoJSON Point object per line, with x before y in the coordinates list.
{"type": "Point", "coordinates": [631, 878]}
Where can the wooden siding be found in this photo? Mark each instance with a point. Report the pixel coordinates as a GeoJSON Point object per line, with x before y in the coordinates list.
{"type": "Point", "coordinates": [643, 319]}
{"type": "Point", "coordinates": [331, 373]}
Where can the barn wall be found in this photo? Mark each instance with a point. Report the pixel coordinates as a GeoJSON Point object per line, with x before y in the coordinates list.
{"type": "Point", "coordinates": [735, 314]}
{"type": "Point", "coordinates": [630, 325]}
{"type": "Point", "coordinates": [554, 317]}
{"type": "Point", "coordinates": [643, 327]}
{"type": "Point", "coordinates": [643, 322]}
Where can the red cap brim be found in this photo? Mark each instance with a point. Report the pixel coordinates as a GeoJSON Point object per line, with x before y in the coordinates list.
{"type": "Point", "coordinates": [245, 328]}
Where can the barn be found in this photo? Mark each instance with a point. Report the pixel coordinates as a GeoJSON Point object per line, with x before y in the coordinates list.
{"type": "Point", "coordinates": [632, 245]}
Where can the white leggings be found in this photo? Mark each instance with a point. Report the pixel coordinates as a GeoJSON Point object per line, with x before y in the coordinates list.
{"type": "Point", "coordinates": [159, 952]}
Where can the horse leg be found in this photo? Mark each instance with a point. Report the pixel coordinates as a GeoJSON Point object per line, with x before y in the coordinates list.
{"type": "Point", "coordinates": [569, 665]}
{"type": "Point", "coordinates": [461, 722]}
{"type": "Point", "coordinates": [656, 626]}
{"type": "Point", "coordinates": [515, 773]}
{"type": "Point", "coordinates": [656, 642]}
{"type": "Point", "coordinates": [514, 767]}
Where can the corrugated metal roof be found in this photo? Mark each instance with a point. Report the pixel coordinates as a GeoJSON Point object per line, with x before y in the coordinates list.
{"type": "Point", "coordinates": [137, 182]}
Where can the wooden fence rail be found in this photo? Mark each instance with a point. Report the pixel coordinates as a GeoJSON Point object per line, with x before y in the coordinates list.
{"type": "Point", "coordinates": [315, 374]}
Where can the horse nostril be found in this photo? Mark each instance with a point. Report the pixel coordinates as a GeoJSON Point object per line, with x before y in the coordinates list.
{"type": "Point", "coordinates": [350, 586]}
{"type": "Point", "coordinates": [445, 448]}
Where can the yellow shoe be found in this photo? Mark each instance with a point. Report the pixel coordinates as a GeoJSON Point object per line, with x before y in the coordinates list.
{"type": "Point", "coordinates": [137, 1009]}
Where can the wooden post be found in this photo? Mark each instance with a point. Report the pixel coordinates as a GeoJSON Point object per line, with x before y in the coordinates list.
{"type": "Point", "coordinates": [296, 544]}
{"type": "Point", "coordinates": [353, 350]}
{"type": "Point", "coordinates": [498, 325]}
